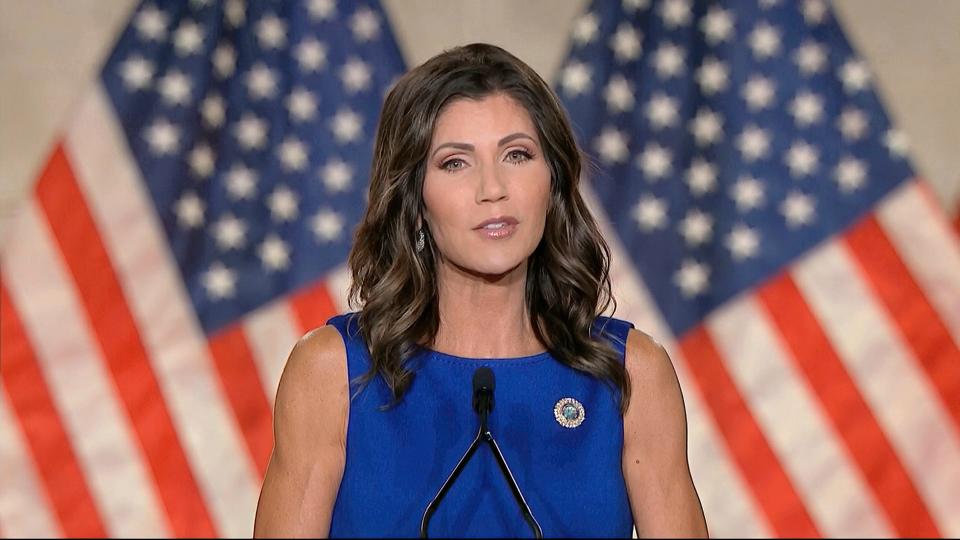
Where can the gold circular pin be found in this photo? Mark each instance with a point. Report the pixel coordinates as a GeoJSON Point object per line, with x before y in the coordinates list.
{"type": "Point", "coordinates": [569, 412]}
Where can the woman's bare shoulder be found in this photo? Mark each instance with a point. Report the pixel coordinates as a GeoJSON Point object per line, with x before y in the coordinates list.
{"type": "Point", "coordinates": [309, 453]}
{"type": "Point", "coordinates": [653, 378]}
{"type": "Point", "coordinates": [318, 352]}
{"type": "Point", "coordinates": [645, 352]}
{"type": "Point", "coordinates": [662, 495]}
{"type": "Point", "coordinates": [314, 378]}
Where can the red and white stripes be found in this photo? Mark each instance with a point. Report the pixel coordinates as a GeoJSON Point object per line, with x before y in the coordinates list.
{"type": "Point", "coordinates": [118, 416]}
{"type": "Point", "coordinates": [830, 392]}
{"type": "Point", "coordinates": [825, 403]}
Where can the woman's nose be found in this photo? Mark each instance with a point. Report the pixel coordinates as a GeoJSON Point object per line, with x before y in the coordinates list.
{"type": "Point", "coordinates": [492, 186]}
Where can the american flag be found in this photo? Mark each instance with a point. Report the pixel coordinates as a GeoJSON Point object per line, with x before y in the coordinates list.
{"type": "Point", "coordinates": [194, 219]}
{"type": "Point", "coordinates": [768, 228]}
{"type": "Point", "coordinates": [956, 217]}
{"type": "Point", "coordinates": [190, 225]}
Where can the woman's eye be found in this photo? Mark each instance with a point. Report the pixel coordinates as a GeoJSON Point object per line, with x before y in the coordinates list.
{"type": "Point", "coordinates": [453, 164]}
{"type": "Point", "coordinates": [518, 156]}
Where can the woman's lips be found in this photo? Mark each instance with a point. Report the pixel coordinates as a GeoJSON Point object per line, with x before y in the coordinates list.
{"type": "Point", "coordinates": [497, 228]}
{"type": "Point", "coordinates": [498, 232]}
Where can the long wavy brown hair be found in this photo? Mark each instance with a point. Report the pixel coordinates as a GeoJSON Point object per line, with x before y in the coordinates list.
{"type": "Point", "coordinates": [567, 282]}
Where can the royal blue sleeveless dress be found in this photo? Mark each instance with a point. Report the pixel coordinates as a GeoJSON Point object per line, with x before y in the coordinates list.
{"type": "Point", "coordinates": [396, 460]}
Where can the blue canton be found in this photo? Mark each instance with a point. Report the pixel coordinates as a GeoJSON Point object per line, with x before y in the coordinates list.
{"type": "Point", "coordinates": [252, 125]}
{"type": "Point", "coordinates": [731, 137]}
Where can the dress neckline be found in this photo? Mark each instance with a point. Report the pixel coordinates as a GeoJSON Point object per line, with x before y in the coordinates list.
{"type": "Point", "coordinates": [527, 359]}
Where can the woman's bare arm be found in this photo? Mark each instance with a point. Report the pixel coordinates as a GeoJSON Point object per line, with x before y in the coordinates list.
{"type": "Point", "coordinates": [310, 421]}
{"type": "Point", "coordinates": [662, 495]}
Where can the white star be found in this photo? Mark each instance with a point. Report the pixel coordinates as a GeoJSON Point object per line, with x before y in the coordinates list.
{"type": "Point", "coordinates": [611, 144]}
{"type": "Point", "coordinates": [220, 282]}
{"type": "Point", "coordinates": [174, 87]}
{"type": "Point", "coordinates": [618, 94]}
{"type": "Point", "coordinates": [743, 242]}
{"type": "Point", "coordinates": [136, 73]}
{"type": "Point", "coordinates": [311, 55]}
{"type": "Point", "coordinates": [798, 209]}
{"type": "Point", "coordinates": [696, 228]}
{"type": "Point", "coordinates": [802, 158]}
{"type": "Point", "coordinates": [626, 43]}
{"type": "Point", "coordinates": [692, 278]}
{"type": "Point", "coordinates": [365, 25]}
{"type": "Point", "coordinates": [261, 81]}
{"type": "Point", "coordinates": [814, 11]}
{"type": "Point", "coordinates": [251, 132]}
{"type": "Point", "coordinates": [230, 232]}
{"type": "Point", "coordinates": [896, 142]}
{"type": "Point", "coordinates": [662, 111]}
{"type": "Point", "coordinates": [717, 25]}
{"type": "Point", "coordinates": [585, 29]}
{"type": "Point", "coordinates": [271, 32]}
{"type": "Point", "coordinates": [747, 193]}
{"type": "Point", "coordinates": [224, 60]}
{"type": "Point", "coordinates": [764, 41]}
{"type": "Point", "coordinates": [151, 23]}
{"type": "Point", "coordinates": [235, 13]}
{"type": "Point", "coordinates": [327, 225]}
{"type": "Point", "coordinates": [213, 111]}
{"type": "Point", "coordinates": [850, 174]}
{"type": "Point", "coordinates": [241, 183]}
{"type": "Point", "coordinates": [575, 79]}
{"type": "Point", "coordinates": [355, 75]}
{"type": "Point", "coordinates": [293, 154]}
{"type": "Point", "coordinates": [701, 177]}
{"type": "Point", "coordinates": [668, 60]}
{"type": "Point", "coordinates": [675, 13]}
{"type": "Point", "coordinates": [163, 137]}
{"type": "Point", "coordinates": [655, 161]}
{"type": "Point", "coordinates": [759, 92]}
{"type": "Point", "coordinates": [853, 124]}
{"type": "Point", "coordinates": [188, 38]}
{"type": "Point", "coordinates": [274, 253]}
{"type": "Point", "coordinates": [810, 57]}
{"type": "Point", "coordinates": [202, 161]}
{"type": "Point", "coordinates": [346, 126]}
{"type": "Point", "coordinates": [855, 75]}
{"type": "Point", "coordinates": [634, 5]}
{"type": "Point", "coordinates": [650, 213]}
{"type": "Point", "coordinates": [707, 127]}
{"type": "Point", "coordinates": [189, 209]}
{"type": "Point", "coordinates": [712, 76]}
{"type": "Point", "coordinates": [337, 175]}
{"type": "Point", "coordinates": [753, 143]}
{"type": "Point", "coordinates": [806, 108]}
{"type": "Point", "coordinates": [283, 204]}
{"type": "Point", "coordinates": [301, 104]}
{"type": "Point", "coordinates": [321, 9]}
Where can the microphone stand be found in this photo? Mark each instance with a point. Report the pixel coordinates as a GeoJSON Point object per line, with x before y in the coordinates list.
{"type": "Point", "coordinates": [483, 435]}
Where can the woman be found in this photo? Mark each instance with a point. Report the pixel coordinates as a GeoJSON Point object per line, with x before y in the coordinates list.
{"type": "Point", "coordinates": [477, 250]}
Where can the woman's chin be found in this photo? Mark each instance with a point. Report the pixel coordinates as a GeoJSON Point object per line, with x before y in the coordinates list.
{"type": "Point", "coordinates": [492, 269]}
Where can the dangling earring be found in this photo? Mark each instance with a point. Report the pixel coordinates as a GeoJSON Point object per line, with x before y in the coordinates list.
{"type": "Point", "coordinates": [421, 242]}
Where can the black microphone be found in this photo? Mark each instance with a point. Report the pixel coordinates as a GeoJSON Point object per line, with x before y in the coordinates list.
{"type": "Point", "coordinates": [484, 384]}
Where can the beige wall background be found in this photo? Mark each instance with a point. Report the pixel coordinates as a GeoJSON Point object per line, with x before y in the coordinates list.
{"type": "Point", "coordinates": [50, 51]}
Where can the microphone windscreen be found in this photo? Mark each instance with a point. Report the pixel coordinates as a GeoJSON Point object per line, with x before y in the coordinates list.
{"type": "Point", "coordinates": [483, 380]}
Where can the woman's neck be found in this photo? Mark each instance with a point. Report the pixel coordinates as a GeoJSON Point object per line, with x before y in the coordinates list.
{"type": "Point", "coordinates": [484, 316]}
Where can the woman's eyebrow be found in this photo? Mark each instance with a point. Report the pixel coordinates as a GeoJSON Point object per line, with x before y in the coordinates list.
{"type": "Point", "coordinates": [470, 147]}
{"type": "Point", "coordinates": [457, 145]}
{"type": "Point", "coordinates": [513, 137]}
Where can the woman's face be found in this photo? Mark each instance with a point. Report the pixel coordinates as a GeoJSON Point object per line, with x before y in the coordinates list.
{"type": "Point", "coordinates": [487, 185]}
